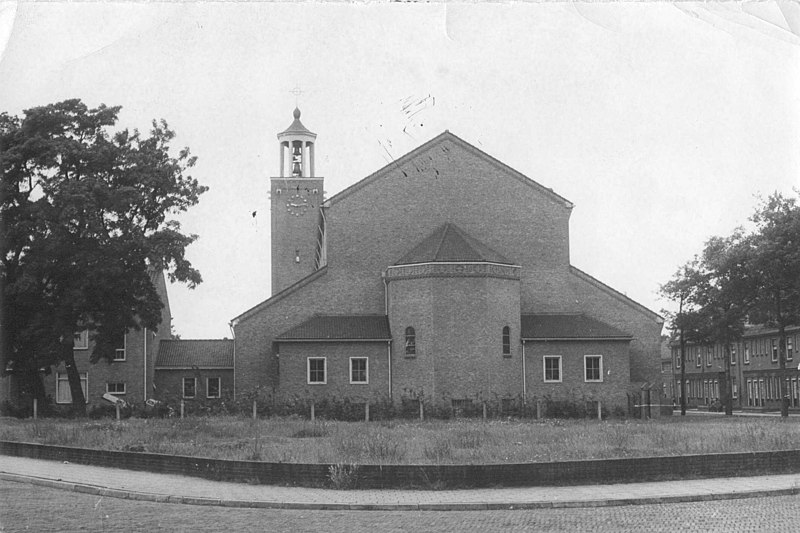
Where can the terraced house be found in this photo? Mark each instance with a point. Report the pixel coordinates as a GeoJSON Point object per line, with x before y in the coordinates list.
{"type": "Point", "coordinates": [444, 276]}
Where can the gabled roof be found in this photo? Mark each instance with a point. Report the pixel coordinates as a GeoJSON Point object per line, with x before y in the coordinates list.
{"type": "Point", "coordinates": [440, 139]}
{"type": "Point", "coordinates": [195, 353]}
{"type": "Point", "coordinates": [340, 328]}
{"type": "Point", "coordinates": [449, 243]}
{"type": "Point", "coordinates": [568, 326]}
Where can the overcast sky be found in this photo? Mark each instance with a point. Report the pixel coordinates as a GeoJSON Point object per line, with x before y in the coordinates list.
{"type": "Point", "coordinates": [660, 122]}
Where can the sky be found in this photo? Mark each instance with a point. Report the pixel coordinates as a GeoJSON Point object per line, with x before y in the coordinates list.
{"type": "Point", "coordinates": [661, 122]}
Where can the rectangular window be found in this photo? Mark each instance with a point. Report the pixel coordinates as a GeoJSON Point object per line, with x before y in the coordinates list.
{"type": "Point", "coordinates": [698, 356]}
{"type": "Point", "coordinates": [735, 392]}
{"type": "Point", "coordinates": [678, 359]}
{"type": "Point", "coordinates": [316, 371]}
{"type": "Point", "coordinates": [189, 387]}
{"type": "Point", "coordinates": [709, 351]}
{"type": "Point", "coordinates": [81, 340]}
{"type": "Point", "coordinates": [359, 370]}
{"type": "Point", "coordinates": [746, 353]}
{"type": "Point", "coordinates": [774, 350]}
{"type": "Point", "coordinates": [213, 388]}
{"type": "Point", "coordinates": [552, 368]}
{"type": "Point", "coordinates": [788, 348]}
{"type": "Point", "coordinates": [119, 353]}
{"type": "Point", "coordinates": [63, 393]}
{"type": "Point", "coordinates": [115, 388]}
{"type": "Point", "coordinates": [594, 367]}
{"type": "Point", "coordinates": [733, 354]}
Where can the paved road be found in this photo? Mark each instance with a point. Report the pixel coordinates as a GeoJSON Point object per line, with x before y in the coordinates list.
{"type": "Point", "coordinates": [27, 507]}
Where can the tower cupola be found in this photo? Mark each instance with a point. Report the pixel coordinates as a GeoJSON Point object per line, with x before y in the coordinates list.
{"type": "Point", "coordinates": [298, 143]}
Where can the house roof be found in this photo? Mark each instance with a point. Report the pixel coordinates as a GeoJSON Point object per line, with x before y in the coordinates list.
{"type": "Point", "coordinates": [568, 326]}
{"type": "Point", "coordinates": [195, 353]}
{"type": "Point", "coordinates": [441, 139]}
{"type": "Point", "coordinates": [296, 127]}
{"type": "Point", "coordinates": [449, 243]}
{"type": "Point", "coordinates": [339, 328]}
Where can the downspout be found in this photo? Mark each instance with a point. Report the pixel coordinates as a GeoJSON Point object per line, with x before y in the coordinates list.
{"type": "Point", "coordinates": [524, 376]}
{"type": "Point", "coordinates": [389, 354]}
{"type": "Point", "coordinates": [233, 334]}
{"type": "Point", "coordinates": [144, 381]}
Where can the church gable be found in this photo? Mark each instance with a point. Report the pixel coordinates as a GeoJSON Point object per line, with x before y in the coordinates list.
{"type": "Point", "coordinates": [449, 243]}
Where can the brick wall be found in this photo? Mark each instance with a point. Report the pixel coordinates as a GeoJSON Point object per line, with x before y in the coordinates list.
{"type": "Point", "coordinates": [169, 383]}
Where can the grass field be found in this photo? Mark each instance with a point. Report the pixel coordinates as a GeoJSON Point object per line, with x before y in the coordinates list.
{"type": "Point", "coordinates": [410, 442]}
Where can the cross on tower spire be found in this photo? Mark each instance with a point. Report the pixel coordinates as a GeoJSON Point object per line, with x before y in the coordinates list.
{"type": "Point", "coordinates": [297, 91]}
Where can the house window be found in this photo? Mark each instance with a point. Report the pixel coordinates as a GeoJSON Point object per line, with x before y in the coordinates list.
{"type": "Point", "coordinates": [63, 393]}
{"type": "Point", "coordinates": [593, 365]}
{"type": "Point", "coordinates": [708, 355]}
{"type": "Point", "coordinates": [506, 341]}
{"type": "Point", "coordinates": [735, 391]}
{"type": "Point", "coordinates": [119, 352]}
{"type": "Point", "coordinates": [774, 350]}
{"type": "Point", "coordinates": [213, 388]}
{"type": "Point", "coordinates": [552, 368]}
{"type": "Point", "coordinates": [189, 387]}
{"type": "Point", "coordinates": [359, 370]}
{"type": "Point", "coordinates": [116, 388]}
{"type": "Point", "coordinates": [678, 359]}
{"type": "Point", "coordinates": [733, 354]}
{"type": "Point", "coordinates": [81, 340]}
{"type": "Point", "coordinates": [699, 356]}
{"type": "Point", "coordinates": [316, 370]}
{"type": "Point", "coordinates": [746, 353]}
{"type": "Point", "coordinates": [788, 348]}
{"type": "Point", "coordinates": [411, 341]}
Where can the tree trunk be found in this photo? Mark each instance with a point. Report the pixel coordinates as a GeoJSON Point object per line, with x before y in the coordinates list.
{"type": "Point", "coordinates": [683, 374]}
{"type": "Point", "coordinates": [74, 377]}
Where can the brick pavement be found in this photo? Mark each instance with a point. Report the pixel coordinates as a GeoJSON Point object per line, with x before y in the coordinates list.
{"type": "Point", "coordinates": [168, 488]}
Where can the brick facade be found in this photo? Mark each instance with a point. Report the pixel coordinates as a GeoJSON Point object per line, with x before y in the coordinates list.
{"type": "Point", "coordinates": [458, 319]}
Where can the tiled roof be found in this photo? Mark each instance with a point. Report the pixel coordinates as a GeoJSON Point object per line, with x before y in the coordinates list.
{"type": "Point", "coordinates": [195, 353]}
{"type": "Point", "coordinates": [450, 243]}
{"type": "Point", "coordinates": [340, 328]}
{"type": "Point", "coordinates": [568, 326]}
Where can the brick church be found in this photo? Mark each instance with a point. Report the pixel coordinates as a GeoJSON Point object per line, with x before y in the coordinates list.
{"type": "Point", "coordinates": [444, 276]}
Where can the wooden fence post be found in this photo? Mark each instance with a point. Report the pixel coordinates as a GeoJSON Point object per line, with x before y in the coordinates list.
{"type": "Point", "coordinates": [366, 412]}
{"type": "Point", "coordinates": [182, 409]}
{"type": "Point", "coordinates": [421, 411]}
{"type": "Point", "coordinates": [255, 409]}
{"type": "Point", "coordinates": [35, 408]}
{"type": "Point", "coordinates": [484, 410]}
{"type": "Point", "coordinates": [538, 409]}
{"type": "Point", "coordinates": [117, 406]}
{"type": "Point", "coordinates": [599, 410]}
{"type": "Point", "coordinates": [312, 411]}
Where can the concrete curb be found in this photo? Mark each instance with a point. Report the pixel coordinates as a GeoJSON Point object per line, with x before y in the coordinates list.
{"type": "Point", "coordinates": [98, 490]}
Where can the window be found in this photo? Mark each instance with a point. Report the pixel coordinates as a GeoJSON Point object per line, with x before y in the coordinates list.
{"type": "Point", "coordinates": [733, 354]}
{"type": "Point", "coordinates": [213, 388]}
{"type": "Point", "coordinates": [411, 341]}
{"type": "Point", "coordinates": [63, 393]}
{"type": "Point", "coordinates": [699, 356]}
{"type": "Point", "coordinates": [120, 343]}
{"type": "Point", "coordinates": [507, 341]}
{"type": "Point", "coordinates": [788, 348]}
{"type": "Point", "coordinates": [189, 387]}
{"type": "Point", "coordinates": [774, 350]}
{"type": "Point", "coordinates": [359, 367]}
{"type": "Point", "coordinates": [594, 367]}
{"type": "Point", "coordinates": [115, 388]}
{"type": "Point", "coordinates": [552, 368]}
{"type": "Point", "coordinates": [746, 353]}
{"type": "Point", "coordinates": [709, 350]}
{"type": "Point", "coordinates": [81, 340]}
{"type": "Point", "coordinates": [735, 392]}
{"type": "Point", "coordinates": [677, 358]}
{"type": "Point", "coordinates": [316, 370]}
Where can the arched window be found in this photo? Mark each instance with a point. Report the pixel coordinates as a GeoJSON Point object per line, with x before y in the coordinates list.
{"type": "Point", "coordinates": [506, 340]}
{"type": "Point", "coordinates": [411, 341]}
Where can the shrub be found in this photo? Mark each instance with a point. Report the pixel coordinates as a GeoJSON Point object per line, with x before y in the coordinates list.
{"type": "Point", "coordinates": [343, 476]}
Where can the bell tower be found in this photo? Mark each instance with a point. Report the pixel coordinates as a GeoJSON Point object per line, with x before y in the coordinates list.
{"type": "Point", "coordinates": [296, 198]}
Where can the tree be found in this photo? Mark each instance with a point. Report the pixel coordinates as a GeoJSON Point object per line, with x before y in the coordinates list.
{"type": "Point", "coordinates": [84, 220]}
{"type": "Point", "coordinates": [686, 324]}
{"type": "Point", "coordinates": [776, 267]}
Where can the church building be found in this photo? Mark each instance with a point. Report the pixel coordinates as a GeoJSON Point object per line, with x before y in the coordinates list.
{"type": "Point", "coordinates": [444, 276]}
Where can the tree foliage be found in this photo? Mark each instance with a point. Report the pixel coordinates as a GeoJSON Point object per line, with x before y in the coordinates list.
{"type": "Point", "coordinates": [85, 221]}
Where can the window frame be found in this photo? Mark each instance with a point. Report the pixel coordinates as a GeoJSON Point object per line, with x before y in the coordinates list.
{"type": "Point", "coordinates": [506, 341]}
{"type": "Point", "coordinates": [789, 347]}
{"type": "Point", "coordinates": [116, 393]}
{"type": "Point", "coordinates": [586, 368]}
{"type": "Point", "coordinates": [747, 346]}
{"type": "Point", "coordinates": [410, 342]}
{"type": "Point", "coordinates": [558, 358]}
{"type": "Point", "coordinates": [775, 352]}
{"type": "Point", "coordinates": [83, 335]}
{"type": "Point", "coordinates": [84, 385]}
{"type": "Point", "coordinates": [733, 353]}
{"type": "Point", "coordinates": [124, 350]}
{"type": "Point", "coordinates": [324, 370]}
{"type": "Point", "coordinates": [194, 388]}
{"type": "Point", "coordinates": [366, 371]}
{"type": "Point", "coordinates": [208, 387]}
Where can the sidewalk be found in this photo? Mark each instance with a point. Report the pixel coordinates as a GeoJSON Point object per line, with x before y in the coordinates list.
{"type": "Point", "coordinates": [127, 484]}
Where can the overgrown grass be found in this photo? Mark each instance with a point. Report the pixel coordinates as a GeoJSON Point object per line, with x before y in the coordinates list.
{"type": "Point", "coordinates": [293, 439]}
